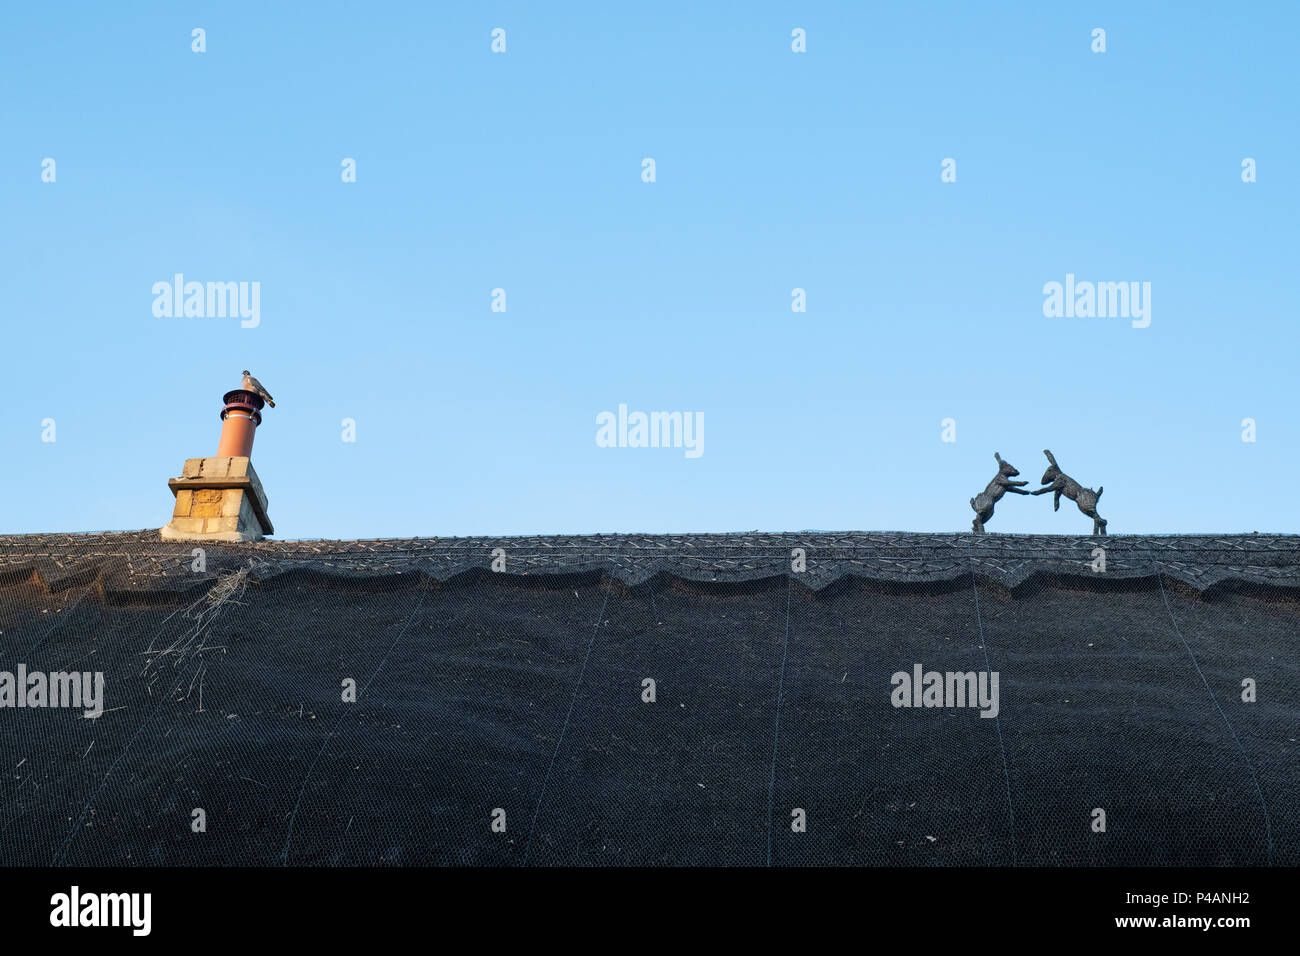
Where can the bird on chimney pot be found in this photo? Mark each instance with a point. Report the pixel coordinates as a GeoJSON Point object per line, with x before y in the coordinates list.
{"type": "Point", "coordinates": [251, 384]}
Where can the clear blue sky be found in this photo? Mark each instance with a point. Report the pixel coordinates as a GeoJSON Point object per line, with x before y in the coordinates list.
{"type": "Point", "coordinates": [775, 170]}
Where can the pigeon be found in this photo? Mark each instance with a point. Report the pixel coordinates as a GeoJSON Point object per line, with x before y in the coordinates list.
{"type": "Point", "coordinates": [251, 384]}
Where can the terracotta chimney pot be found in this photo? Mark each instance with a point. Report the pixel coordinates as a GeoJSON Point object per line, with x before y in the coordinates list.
{"type": "Point", "coordinates": [239, 420]}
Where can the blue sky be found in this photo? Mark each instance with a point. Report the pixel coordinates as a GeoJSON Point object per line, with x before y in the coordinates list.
{"type": "Point", "coordinates": [775, 170]}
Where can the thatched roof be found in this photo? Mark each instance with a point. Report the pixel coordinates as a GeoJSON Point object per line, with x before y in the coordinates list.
{"type": "Point", "coordinates": [139, 561]}
{"type": "Point", "coordinates": [523, 692]}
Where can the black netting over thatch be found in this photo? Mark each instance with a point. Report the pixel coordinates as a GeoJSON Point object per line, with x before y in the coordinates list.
{"type": "Point", "coordinates": [522, 692]}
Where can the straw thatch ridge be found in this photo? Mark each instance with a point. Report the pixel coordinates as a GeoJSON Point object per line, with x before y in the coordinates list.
{"type": "Point", "coordinates": [140, 565]}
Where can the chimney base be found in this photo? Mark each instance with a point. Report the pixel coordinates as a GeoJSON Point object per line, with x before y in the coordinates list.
{"type": "Point", "coordinates": [218, 499]}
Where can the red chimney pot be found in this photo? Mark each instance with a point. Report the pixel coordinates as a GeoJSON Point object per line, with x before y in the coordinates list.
{"type": "Point", "coordinates": [239, 420]}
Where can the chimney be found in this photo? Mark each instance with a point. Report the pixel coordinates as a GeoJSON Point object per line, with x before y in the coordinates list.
{"type": "Point", "coordinates": [221, 498]}
{"type": "Point", "coordinates": [239, 420]}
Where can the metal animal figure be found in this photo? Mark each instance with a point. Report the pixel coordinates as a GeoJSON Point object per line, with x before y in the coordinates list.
{"type": "Point", "coordinates": [983, 502]}
{"type": "Point", "coordinates": [1058, 481]}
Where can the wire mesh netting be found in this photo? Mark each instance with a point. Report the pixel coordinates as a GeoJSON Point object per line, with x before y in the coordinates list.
{"type": "Point", "coordinates": [571, 718]}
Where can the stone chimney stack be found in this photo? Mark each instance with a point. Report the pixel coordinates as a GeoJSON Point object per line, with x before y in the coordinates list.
{"type": "Point", "coordinates": [221, 498]}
